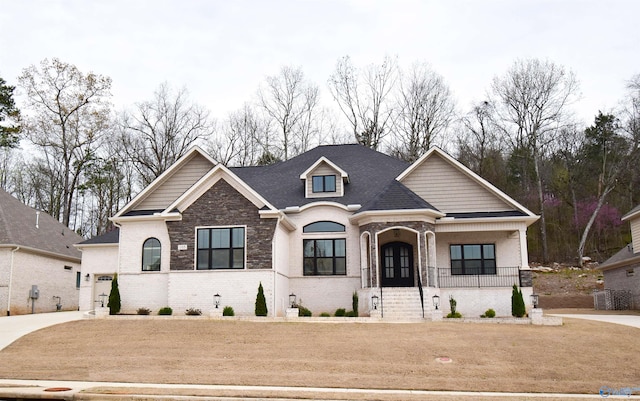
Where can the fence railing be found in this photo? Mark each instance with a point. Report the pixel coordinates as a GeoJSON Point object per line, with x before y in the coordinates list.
{"type": "Point", "coordinates": [504, 277]}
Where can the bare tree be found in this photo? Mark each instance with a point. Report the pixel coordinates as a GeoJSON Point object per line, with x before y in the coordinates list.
{"type": "Point", "coordinates": [158, 132]}
{"type": "Point", "coordinates": [532, 101]}
{"type": "Point", "coordinates": [69, 112]}
{"type": "Point", "coordinates": [239, 141]}
{"type": "Point", "coordinates": [364, 98]}
{"type": "Point", "coordinates": [425, 108]}
{"type": "Point", "coordinates": [290, 101]}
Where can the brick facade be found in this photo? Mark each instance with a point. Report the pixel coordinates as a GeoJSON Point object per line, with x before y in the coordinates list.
{"type": "Point", "coordinates": [222, 205]}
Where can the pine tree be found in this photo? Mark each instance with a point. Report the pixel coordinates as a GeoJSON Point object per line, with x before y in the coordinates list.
{"type": "Point", "coordinates": [114, 297]}
{"type": "Point", "coordinates": [261, 302]}
{"type": "Point", "coordinates": [517, 302]}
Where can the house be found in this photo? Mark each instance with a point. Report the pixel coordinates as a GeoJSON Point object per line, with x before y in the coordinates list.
{"type": "Point", "coordinates": [622, 272]}
{"type": "Point", "coordinates": [39, 266]}
{"type": "Point", "coordinates": [333, 221]}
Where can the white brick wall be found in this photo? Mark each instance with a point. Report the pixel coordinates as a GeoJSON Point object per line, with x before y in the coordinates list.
{"type": "Point", "coordinates": [324, 294]}
{"type": "Point", "coordinates": [96, 260]}
{"type": "Point", "coordinates": [51, 278]}
{"type": "Point", "coordinates": [473, 302]}
{"type": "Point", "coordinates": [132, 237]}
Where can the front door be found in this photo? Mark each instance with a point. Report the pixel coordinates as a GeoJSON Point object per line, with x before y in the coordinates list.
{"type": "Point", "coordinates": [397, 265]}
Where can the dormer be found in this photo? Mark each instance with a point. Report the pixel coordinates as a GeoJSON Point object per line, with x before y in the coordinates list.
{"type": "Point", "coordinates": [324, 179]}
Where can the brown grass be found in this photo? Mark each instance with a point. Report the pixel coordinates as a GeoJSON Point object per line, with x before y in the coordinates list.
{"type": "Point", "coordinates": [579, 357]}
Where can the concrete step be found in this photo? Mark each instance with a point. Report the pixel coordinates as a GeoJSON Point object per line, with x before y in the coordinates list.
{"type": "Point", "coordinates": [401, 303]}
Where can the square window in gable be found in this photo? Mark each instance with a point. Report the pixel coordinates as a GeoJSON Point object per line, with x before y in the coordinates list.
{"type": "Point", "coordinates": [324, 183]}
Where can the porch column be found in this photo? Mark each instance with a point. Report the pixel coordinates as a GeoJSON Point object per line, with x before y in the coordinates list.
{"type": "Point", "coordinates": [524, 258]}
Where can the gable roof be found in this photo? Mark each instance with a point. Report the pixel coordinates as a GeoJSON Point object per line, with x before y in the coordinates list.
{"type": "Point", "coordinates": [623, 257]}
{"type": "Point", "coordinates": [157, 184]}
{"type": "Point", "coordinates": [632, 213]}
{"type": "Point", "coordinates": [343, 174]}
{"type": "Point", "coordinates": [396, 196]}
{"type": "Point", "coordinates": [369, 173]}
{"type": "Point", "coordinates": [18, 228]}
{"type": "Point", "coordinates": [481, 182]}
{"type": "Point", "coordinates": [111, 237]}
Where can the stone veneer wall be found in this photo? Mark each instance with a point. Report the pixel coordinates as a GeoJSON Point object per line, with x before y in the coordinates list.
{"type": "Point", "coordinates": [222, 205]}
{"type": "Point", "coordinates": [420, 226]}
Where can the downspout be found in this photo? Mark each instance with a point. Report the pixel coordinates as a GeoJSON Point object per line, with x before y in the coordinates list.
{"type": "Point", "coordinates": [10, 281]}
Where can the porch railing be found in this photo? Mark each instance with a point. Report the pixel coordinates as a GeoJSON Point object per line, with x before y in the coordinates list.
{"type": "Point", "coordinates": [504, 277]}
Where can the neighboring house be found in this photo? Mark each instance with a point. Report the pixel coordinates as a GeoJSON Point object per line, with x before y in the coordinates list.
{"type": "Point", "coordinates": [622, 271]}
{"type": "Point", "coordinates": [39, 266]}
{"type": "Point", "coordinates": [332, 221]}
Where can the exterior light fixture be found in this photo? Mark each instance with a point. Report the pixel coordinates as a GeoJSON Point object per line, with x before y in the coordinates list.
{"type": "Point", "coordinates": [292, 300]}
{"type": "Point", "coordinates": [102, 298]}
{"type": "Point", "coordinates": [86, 277]}
{"type": "Point", "coordinates": [216, 300]}
{"type": "Point", "coordinates": [534, 300]}
{"type": "Point", "coordinates": [436, 301]}
{"type": "Point", "coordinates": [374, 301]}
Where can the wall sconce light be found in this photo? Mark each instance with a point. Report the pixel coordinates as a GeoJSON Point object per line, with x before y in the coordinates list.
{"type": "Point", "coordinates": [436, 301]}
{"type": "Point", "coordinates": [374, 301]}
{"type": "Point", "coordinates": [86, 277]}
{"type": "Point", "coordinates": [292, 300]}
{"type": "Point", "coordinates": [534, 300]}
{"type": "Point", "coordinates": [216, 300]}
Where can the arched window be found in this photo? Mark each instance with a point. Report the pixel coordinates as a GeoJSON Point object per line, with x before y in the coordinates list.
{"type": "Point", "coordinates": [151, 255]}
{"type": "Point", "coordinates": [323, 227]}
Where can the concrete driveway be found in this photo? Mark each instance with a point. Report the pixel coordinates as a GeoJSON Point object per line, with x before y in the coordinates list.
{"type": "Point", "coordinates": [627, 320]}
{"type": "Point", "coordinates": [14, 327]}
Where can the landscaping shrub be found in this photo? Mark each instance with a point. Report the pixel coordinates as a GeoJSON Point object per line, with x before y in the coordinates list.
{"type": "Point", "coordinates": [340, 312]}
{"type": "Point", "coordinates": [490, 313]}
{"type": "Point", "coordinates": [114, 297]}
{"type": "Point", "coordinates": [193, 312]}
{"type": "Point", "coordinates": [143, 311]}
{"type": "Point", "coordinates": [302, 311]}
{"type": "Point", "coordinates": [453, 304]}
{"type": "Point", "coordinates": [228, 311]}
{"type": "Point", "coordinates": [351, 314]}
{"type": "Point", "coordinates": [325, 314]}
{"type": "Point", "coordinates": [354, 303]}
{"type": "Point", "coordinates": [261, 302]}
{"type": "Point", "coordinates": [165, 311]}
{"type": "Point", "coordinates": [517, 303]}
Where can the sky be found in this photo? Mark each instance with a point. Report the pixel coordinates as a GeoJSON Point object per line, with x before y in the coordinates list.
{"type": "Point", "coordinates": [221, 51]}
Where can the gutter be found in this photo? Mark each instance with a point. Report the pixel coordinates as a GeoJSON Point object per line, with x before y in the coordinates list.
{"type": "Point", "coordinates": [10, 281]}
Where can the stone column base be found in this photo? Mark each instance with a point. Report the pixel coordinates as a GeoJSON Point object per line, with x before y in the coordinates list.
{"type": "Point", "coordinates": [436, 315]}
{"type": "Point", "coordinates": [216, 313]}
{"type": "Point", "coordinates": [292, 313]}
{"type": "Point", "coordinates": [375, 313]}
{"type": "Point", "coordinates": [536, 316]}
{"type": "Point", "coordinates": [102, 312]}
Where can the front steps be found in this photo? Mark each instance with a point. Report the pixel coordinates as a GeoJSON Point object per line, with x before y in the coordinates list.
{"type": "Point", "coordinates": [403, 303]}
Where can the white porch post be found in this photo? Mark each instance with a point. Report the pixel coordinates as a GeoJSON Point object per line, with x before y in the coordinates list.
{"type": "Point", "coordinates": [524, 258]}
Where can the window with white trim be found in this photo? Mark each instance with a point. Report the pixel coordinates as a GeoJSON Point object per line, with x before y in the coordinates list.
{"type": "Point", "coordinates": [220, 248]}
{"type": "Point", "coordinates": [473, 259]}
{"type": "Point", "coordinates": [151, 251]}
{"type": "Point", "coordinates": [324, 256]}
{"type": "Point", "coordinates": [323, 183]}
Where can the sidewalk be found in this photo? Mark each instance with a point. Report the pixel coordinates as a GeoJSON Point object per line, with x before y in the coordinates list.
{"type": "Point", "coordinates": [89, 391]}
{"type": "Point", "coordinates": [627, 320]}
{"type": "Point", "coordinates": [14, 327]}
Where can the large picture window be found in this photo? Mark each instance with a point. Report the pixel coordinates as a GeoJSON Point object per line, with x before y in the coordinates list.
{"type": "Point", "coordinates": [473, 259]}
{"type": "Point", "coordinates": [325, 257]}
{"type": "Point", "coordinates": [324, 183]}
{"type": "Point", "coordinates": [151, 251]}
{"type": "Point", "coordinates": [220, 248]}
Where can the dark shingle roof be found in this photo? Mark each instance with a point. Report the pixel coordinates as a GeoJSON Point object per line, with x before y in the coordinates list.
{"type": "Point", "coordinates": [112, 237]}
{"type": "Point", "coordinates": [472, 215]}
{"type": "Point", "coordinates": [396, 196]}
{"type": "Point", "coordinates": [370, 172]}
{"type": "Point", "coordinates": [18, 227]}
{"type": "Point", "coordinates": [620, 256]}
